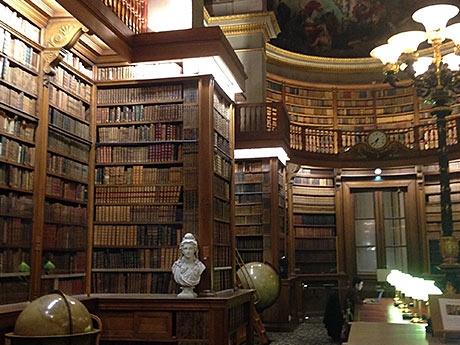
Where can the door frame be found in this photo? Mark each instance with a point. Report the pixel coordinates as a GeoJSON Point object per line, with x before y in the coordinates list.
{"type": "Point", "coordinates": [414, 243]}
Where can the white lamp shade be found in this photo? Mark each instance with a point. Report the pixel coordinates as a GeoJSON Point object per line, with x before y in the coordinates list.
{"type": "Point", "coordinates": [452, 60]}
{"type": "Point", "coordinates": [435, 17]}
{"type": "Point", "coordinates": [422, 64]}
{"type": "Point", "coordinates": [386, 53]}
{"type": "Point", "coordinates": [453, 32]}
{"type": "Point", "coordinates": [408, 41]}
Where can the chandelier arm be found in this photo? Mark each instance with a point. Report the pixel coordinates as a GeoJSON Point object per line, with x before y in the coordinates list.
{"type": "Point", "coordinates": [392, 79]}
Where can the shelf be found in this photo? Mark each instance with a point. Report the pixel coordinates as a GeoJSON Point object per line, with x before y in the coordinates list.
{"type": "Point", "coordinates": [250, 249]}
{"type": "Point", "coordinates": [18, 112]}
{"type": "Point", "coordinates": [134, 185]}
{"type": "Point", "coordinates": [15, 246]}
{"type": "Point", "coordinates": [65, 249]}
{"type": "Point", "coordinates": [223, 268]}
{"type": "Point", "coordinates": [136, 123]}
{"type": "Point", "coordinates": [64, 223]}
{"type": "Point", "coordinates": [71, 93]}
{"type": "Point", "coordinates": [67, 178]}
{"type": "Point", "coordinates": [68, 134]}
{"type": "Point", "coordinates": [138, 163]}
{"type": "Point", "coordinates": [316, 225]}
{"type": "Point", "coordinates": [134, 246]}
{"type": "Point", "coordinates": [22, 37]}
{"type": "Point", "coordinates": [99, 105]}
{"type": "Point", "coordinates": [66, 200]}
{"type": "Point", "coordinates": [76, 72]}
{"type": "Point", "coordinates": [136, 223]}
{"type": "Point", "coordinates": [63, 276]}
{"type": "Point", "coordinates": [12, 136]}
{"type": "Point", "coordinates": [129, 270]}
{"type": "Point", "coordinates": [19, 190]}
{"type": "Point", "coordinates": [69, 114]}
{"type": "Point", "coordinates": [18, 88]}
{"type": "Point", "coordinates": [139, 204]}
{"type": "Point", "coordinates": [20, 165]}
{"type": "Point", "coordinates": [19, 64]}
{"type": "Point", "coordinates": [31, 218]}
{"type": "Point", "coordinates": [141, 143]}
{"type": "Point", "coordinates": [52, 150]}
{"type": "Point", "coordinates": [14, 274]}
{"type": "Point", "coordinates": [221, 220]}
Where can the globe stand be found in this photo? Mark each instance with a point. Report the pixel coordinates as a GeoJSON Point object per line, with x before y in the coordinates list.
{"type": "Point", "coordinates": [31, 323]}
{"type": "Point", "coordinates": [187, 292]}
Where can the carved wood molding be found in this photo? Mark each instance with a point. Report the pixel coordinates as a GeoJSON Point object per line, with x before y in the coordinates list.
{"type": "Point", "coordinates": [60, 33]}
{"type": "Point", "coordinates": [291, 171]}
{"type": "Point", "coordinates": [393, 150]}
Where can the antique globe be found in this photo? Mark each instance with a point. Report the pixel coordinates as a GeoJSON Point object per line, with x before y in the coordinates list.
{"type": "Point", "coordinates": [54, 319]}
{"type": "Point", "coordinates": [264, 279]}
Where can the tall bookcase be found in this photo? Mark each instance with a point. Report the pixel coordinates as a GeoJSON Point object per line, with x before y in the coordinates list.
{"type": "Point", "coordinates": [313, 208]}
{"type": "Point", "coordinates": [68, 167]}
{"type": "Point", "coordinates": [159, 144]}
{"type": "Point", "coordinates": [314, 235]}
{"type": "Point", "coordinates": [19, 80]}
{"type": "Point", "coordinates": [260, 210]}
{"type": "Point", "coordinates": [432, 192]}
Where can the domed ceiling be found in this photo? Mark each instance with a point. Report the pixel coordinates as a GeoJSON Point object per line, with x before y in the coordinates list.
{"type": "Point", "coordinates": [341, 28]}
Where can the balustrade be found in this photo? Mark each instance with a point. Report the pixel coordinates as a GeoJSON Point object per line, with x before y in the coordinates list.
{"type": "Point", "coordinates": [261, 121]}
{"type": "Point", "coordinates": [131, 12]}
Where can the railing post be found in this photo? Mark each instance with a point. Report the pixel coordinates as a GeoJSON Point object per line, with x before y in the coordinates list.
{"type": "Point", "coordinates": [337, 141]}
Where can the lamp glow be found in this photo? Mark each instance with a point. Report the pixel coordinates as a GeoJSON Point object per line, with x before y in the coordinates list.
{"type": "Point", "coordinates": [407, 42]}
{"type": "Point", "coordinates": [422, 65]}
{"type": "Point", "coordinates": [452, 60]}
{"type": "Point", "coordinates": [435, 18]}
{"type": "Point", "coordinates": [386, 53]}
{"type": "Point", "coordinates": [453, 32]}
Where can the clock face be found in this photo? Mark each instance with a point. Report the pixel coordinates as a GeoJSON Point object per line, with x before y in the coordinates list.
{"type": "Point", "coordinates": [377, 140]}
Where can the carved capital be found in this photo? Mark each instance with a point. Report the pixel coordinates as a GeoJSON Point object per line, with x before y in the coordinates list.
{"type": "Point", "coordinates": [60, 33]}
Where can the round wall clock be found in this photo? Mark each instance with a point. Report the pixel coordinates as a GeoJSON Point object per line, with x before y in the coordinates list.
{"type": "Point", "coordinates": [377, 140]}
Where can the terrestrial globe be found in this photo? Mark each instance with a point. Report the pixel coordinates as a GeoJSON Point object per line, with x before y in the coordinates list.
{"type": "Point", "coordinates": [55, 319]}
{"type": "Point", "coordinates": [264, 279]}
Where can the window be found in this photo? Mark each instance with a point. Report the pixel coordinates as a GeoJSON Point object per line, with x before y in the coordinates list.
{"type": "Point", "coordinates": [380, 230]}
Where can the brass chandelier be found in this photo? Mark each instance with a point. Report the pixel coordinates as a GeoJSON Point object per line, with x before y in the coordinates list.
{"type": "Point", "coordinates": [435, 73]}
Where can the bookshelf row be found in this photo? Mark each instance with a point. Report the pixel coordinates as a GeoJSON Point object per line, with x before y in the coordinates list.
{"type": "Point", "coordinates": [358, 108]}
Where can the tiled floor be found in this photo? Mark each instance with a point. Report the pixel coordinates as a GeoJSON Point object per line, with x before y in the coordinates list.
{"type": "Point", "coordinates": [310, 332]}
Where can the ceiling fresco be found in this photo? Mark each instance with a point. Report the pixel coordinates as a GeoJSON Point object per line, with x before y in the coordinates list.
{"type": "Point", "coordinates": [341, 28]}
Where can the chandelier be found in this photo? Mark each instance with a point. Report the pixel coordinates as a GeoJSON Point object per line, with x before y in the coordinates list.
{"type": "Point", "coordinates": [434, 74]}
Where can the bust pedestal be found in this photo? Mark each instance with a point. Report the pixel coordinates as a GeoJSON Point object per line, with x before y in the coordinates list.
{"type": "Point", "coordinates": [187, 292]}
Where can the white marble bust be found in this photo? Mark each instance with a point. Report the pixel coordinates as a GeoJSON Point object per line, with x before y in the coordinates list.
{"type": "Point", "coordinates": [187, 269]}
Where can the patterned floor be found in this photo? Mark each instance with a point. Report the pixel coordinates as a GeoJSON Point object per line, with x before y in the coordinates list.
{"type": "Point", "coordinates": [310, 332]}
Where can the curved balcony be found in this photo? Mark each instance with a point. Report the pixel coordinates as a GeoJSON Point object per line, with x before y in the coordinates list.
{"type": "Point", "coordinates": [267, 125]}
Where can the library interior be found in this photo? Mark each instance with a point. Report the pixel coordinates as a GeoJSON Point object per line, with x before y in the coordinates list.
{"type": "Point", "coordinates": [235, 168]}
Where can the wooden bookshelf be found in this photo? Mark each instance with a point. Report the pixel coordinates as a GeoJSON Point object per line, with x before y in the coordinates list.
{"type": "Point", "coordinates": [432, 193]}
{"type": "Point", "coordinates": [151, 138]}
{"type": "Point", "coordinates": [350, 107]}
{"type": "Point", "coordinates": [19, 82]}
{"type": "Point", "coordinates": [68, 167]}
{"type": "Point", "coordinates": [260, 227]}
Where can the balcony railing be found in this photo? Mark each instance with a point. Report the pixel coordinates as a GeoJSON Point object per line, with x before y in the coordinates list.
{"type": "Point", "coordinates": [262, 125]}
{"type": "Point", "coordinates": [131, 12]}
{"type": "Point", "coordinates": [267, 125]}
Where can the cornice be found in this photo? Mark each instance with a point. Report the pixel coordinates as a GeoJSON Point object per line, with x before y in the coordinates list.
{"type": "Point", "coordinates": [243, 24]}
{"type": "Point", "coordinates": [322, 64]}
{"type": "Point", "coordinates": [246, 29]}
{"type": "Point", "coordinates": [335, 65]}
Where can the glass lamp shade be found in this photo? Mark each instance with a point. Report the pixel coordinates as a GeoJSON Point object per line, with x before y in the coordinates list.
{"type": "Point", "coordinates": [422, 64]}
{"type": "Point", "coordinates": [452, 60]}
{"type": "Point", "coordinates": [435, 17]}
{"type": "Point", "coordinates": [408, 41]}
{"type": "Point", "coordinates": [386, 53]}
{"type": "Point", "coordinates": [453, 32]}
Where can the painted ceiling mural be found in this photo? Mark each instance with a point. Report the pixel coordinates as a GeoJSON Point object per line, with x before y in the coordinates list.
{"type": "Point", "coordinates": [341, 28]}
